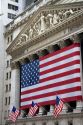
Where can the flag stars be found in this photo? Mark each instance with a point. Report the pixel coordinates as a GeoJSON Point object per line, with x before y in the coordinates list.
{"type": "Point", "coordinates": [30, 73]}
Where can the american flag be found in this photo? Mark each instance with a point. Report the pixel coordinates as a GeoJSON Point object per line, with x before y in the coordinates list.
{"type": "Point", "coordinates": [58, 106]}
{"type": "Point", "coordinates": [33, 109]}
{"type": "Point", "coordinates": [57, 73]}
{"type": "Point", "coordinates": [13, 114]}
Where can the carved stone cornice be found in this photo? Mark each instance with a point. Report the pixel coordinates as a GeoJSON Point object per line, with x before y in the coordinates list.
{"type": "Point", "coordinates": [77, 5]}
{"type": "Point", "coordinates": [60, 26]}
{"type": "Point", "coordinates": [24, 41]}
{"type": "Point", "coordinates": [75, 38]}
{"type": "Point", "coordinates": [51, 117]}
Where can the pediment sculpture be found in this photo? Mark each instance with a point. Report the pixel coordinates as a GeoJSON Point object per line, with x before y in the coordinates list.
{"type": "Point", "coordinates": [45, 20]}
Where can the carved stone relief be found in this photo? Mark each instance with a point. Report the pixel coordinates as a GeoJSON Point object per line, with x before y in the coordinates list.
{"type": "Point", "coordinates": [46, 21]}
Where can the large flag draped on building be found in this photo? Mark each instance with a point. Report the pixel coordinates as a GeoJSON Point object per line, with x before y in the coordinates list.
{"type": "Point", "coordinates": [33, 109]}
{"type": "Point", "coordinates": [57, 73]}
{"type": "Point", "coordinates": [13, 114]}
{"type": "Point", "coordinates": [58, 106]}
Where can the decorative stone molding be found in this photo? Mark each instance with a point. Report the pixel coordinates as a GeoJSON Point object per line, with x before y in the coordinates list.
{"type": "Point", "coordinates": [47, 20]}
{"type": "Point", "coordinates": [69, 116]}
{"type": "Point", "coordinates": [18, 51]}
{"type": "Point", "coordinates": [61, 44]}
{"type": "Point", "coordinates": [76, 6]}
{"type": "Point", "coordinates": [75, 38]}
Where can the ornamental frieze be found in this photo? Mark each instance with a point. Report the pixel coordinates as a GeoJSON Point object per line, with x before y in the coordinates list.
{"type": "Point", "coordinates": [45, 20]}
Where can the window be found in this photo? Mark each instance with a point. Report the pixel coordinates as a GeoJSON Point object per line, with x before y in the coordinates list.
{"type": "Point", "coordinates": [13, 7]}
{"type": "Point", "coordinates": [9, 87]}
{"type": "Point", "coordinates": [11, 16]}
{"type": "Point", "coordinates": [6, 88]}
{"type": "Point", "coordinates": [7, 63]}
{"type": "Point", "coordinates": [5, 100]}
{"type": "Point", "coordinates": [7, 76]}
{"type": "Point", "coordinates": [9, 100]}
{"type": "Point", "coordinates": [9, 6]}
{"type": "Point", "coordinates": [16, 8]}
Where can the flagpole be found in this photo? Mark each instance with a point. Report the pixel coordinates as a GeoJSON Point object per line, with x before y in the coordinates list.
{"type": "Point", "coordinates": [64, 103]}
{"type": "Point", "coordinates": [15, 122]}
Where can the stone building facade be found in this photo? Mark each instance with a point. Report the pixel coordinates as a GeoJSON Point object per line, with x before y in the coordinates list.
{"type": "Point", "coordinates": [8, 10]}
{"type": "Point", "coordinates": [47, 29]}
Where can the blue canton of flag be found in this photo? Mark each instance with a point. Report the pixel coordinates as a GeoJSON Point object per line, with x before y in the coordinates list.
{"type": "Point", "coordinates": [30, 74]}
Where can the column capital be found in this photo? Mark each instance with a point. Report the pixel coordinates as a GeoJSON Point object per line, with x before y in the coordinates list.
{"type": "Point", "coordinates": [61, 44]}
{"type": "Point", "coordinates": [75, 38]}
{"type": "Point", "coordinates": [15, 65]}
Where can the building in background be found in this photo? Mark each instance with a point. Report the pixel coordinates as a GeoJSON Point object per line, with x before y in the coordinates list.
{"type": "Point", "coordinates": [46, 26]}
{"type": "Point", "coordinates": [9, 9]}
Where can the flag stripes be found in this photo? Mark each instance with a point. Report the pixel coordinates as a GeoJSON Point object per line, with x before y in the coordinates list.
{"type": "Point", "coordinates": [59, 73]}
{"type": "Point", "coordinates": [13, 114]}
{"type": "Point", "coordinates": [33, 109]}
{"type": "Point", "coordinates": [58, 106]}
{"type": "Point", "coordinates": [66, 82]}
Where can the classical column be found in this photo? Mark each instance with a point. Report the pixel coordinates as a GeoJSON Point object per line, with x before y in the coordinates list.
{"type": "Point", "coordinates": [51, 110]}
{"type": "Point", "coordinates": [75, 38]}
{"type": "Point", "coordinates": [15, 85]}
{"type": "Point", "coordinates": [40, 110]}
{"type": "Point", "coordinates": [64, 110]}
{"type": "Point", "coordinates": [63, 122]}
{"type": "Point", "coordinates": [79, 104]}
{"type": "Point", "coordinates": [61, 44]}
